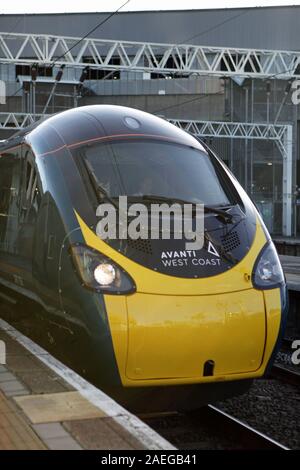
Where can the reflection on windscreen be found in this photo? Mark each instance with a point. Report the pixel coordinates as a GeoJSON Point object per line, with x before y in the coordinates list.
{"type": "Point", "coordinates": [137, 168]}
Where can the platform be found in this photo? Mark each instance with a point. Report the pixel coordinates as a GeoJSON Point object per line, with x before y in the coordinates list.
{"type": "Point", "coordinates": [291, 267]}
{"type": "Point", "coordinates": [287, 245]}
{"type": "Point", "coordinates": [44, 405]}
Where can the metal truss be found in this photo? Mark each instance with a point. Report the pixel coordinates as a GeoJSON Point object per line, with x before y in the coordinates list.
{"type": "Point", "coordinates": [282, 135]}
{"type": "Point", "coordinates": [17, 121]}
{"type": "Point", "coordinates": [236, 130]}
{"type": "Point", "coordinates": [148, 57]}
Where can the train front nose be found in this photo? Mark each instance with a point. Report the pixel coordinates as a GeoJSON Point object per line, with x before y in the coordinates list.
{"type": "Point", "coordinates": [194, 336]}
{"type": "Point", "coordinates": [178, 330]}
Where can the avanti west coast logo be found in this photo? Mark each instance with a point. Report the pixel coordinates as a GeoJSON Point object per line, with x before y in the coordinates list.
{"type": "Point", "coordinates": [154, 221]}
{"type": "Point", "coordinates": [182, 258]}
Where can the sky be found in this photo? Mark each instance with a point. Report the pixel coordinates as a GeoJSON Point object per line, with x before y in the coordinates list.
{"type": "Point", "coordinates": [58, 6]}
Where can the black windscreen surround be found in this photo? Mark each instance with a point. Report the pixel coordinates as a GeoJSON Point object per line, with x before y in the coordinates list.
{"type": "Point", "coordinates": [157, 168]}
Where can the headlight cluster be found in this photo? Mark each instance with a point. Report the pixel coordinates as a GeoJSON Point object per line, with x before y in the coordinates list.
{"type": "Point", "coordinates": [267, 272]}
{"type": "Point", "coordinates": [100, 273]}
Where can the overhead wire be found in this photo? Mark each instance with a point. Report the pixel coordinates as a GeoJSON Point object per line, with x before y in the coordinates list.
{"type": "Point", "coordinates": [109, 17]}
{"type": "Point", "coordinates": [184, 41]}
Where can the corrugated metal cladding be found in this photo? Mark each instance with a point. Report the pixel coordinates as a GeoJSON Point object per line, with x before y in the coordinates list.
{"type": "Point", "coordinates": [263, 27]}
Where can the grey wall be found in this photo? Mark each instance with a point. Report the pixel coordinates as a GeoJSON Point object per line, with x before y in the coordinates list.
{"type": "Point", "coordinates": [270, 27]}
{"type": "Point", "coordinates": [196, 107]}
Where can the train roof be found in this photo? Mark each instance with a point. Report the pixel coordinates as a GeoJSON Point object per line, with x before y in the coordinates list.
{"type": "Point", "coordinates": [91, 123]}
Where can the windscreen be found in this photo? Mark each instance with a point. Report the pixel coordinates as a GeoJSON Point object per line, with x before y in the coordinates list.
{"type": "Point", "coordinates": [155, 168]}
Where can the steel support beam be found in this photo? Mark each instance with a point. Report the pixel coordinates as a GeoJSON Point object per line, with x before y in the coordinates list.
{"type": "Point", "coordinates": [234, 130]}
{"type": "Point", "coordinates": [17, 121]}
{"type": "Point", "coordinates": [287, 190]}
{"type": "Point", "coordinates": [45, 49]}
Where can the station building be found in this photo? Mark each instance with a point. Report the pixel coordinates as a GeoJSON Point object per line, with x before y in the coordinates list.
{"type": "Point", "coordinates": [258, 101]}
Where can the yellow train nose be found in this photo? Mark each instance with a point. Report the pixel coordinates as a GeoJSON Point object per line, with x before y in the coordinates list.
{"type": "Point", "coordinates": [175, 331]}
{"type": "Point", "coordinates": [177, 336]}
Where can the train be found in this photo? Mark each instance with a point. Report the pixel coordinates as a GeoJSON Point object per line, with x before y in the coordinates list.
{"type": "Point", "coordinates": [152, 323]}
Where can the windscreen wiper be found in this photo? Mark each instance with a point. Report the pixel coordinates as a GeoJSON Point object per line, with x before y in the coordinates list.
{"type": "Point", "coordinates": [219, 212]}
{"type": "Point", "coordinates": [207, 209]}
{"type": "Point", "coordinates": [100, 191]}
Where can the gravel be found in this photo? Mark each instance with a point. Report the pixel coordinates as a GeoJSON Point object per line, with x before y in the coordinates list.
{"type": "Point", "coordinates": [187, 433]}
{"type": "Point", "coordinates": [271, 407]}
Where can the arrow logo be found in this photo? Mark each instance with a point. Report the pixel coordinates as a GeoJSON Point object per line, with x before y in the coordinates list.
{"type": "Point", "coordinates": [211, 249]}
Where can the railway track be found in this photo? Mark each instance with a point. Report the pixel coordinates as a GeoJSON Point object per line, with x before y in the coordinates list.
{"type": "Point", "coordinates": [209, 428]}
{"type": "Point", "coordinates": [286, 375]}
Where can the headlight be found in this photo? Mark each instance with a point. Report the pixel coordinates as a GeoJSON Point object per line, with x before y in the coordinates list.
{"type": "Point", "coordinates": [105, 274]}
{"type": "Point", "coordinates": [267, 272]}
{"type": "Point", "coordinates": [100, 273]}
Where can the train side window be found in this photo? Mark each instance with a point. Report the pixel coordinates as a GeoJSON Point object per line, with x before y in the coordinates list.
{"type": "Point", "coordinates": [31, 197]}
{"type": "Point", "coordinates": [31, 201]}
{"type": "Point", "coordinates": [10, 183]}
